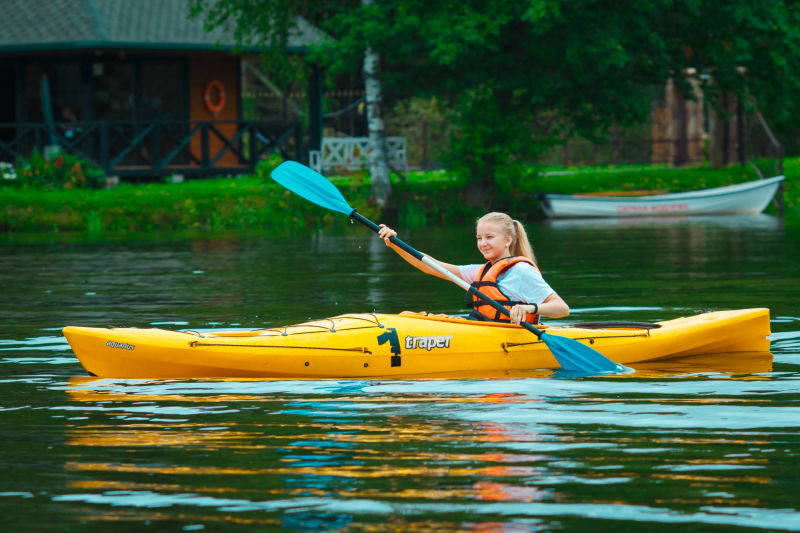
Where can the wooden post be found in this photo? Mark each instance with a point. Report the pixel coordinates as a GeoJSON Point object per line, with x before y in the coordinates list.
{"type": "Point", "coordinates": [204, 147]}
{"type": "Point", "coordinates": [741, 134]}
{"type": "Point", "coordinates": [298, 142]}
{"type": "Point", "coordinates": [679, 117]}
{"type": "Point", "coordinates": [315, 118]}
{"type": "Point", "coordinates": [104, 147]}
{"type": "Point", "coordinates": [718, 133]}
{"type": "Point", "coordinates": [155, 145]}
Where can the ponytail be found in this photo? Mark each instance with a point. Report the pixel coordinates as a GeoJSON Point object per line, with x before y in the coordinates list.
{"type": "Point", "coordinates": [520, 245]}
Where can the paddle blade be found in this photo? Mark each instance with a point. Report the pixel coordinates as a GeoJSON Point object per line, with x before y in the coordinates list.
{"type": "Point", "coordinates": [574, 356]}
{"type": "Point", "coordinates": [311, 185]}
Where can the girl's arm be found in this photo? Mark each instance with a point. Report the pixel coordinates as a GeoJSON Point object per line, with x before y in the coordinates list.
{"type": "Point", "coordinates": [552, 306]}
{"type": "Point", "coordinates": [386, 232]}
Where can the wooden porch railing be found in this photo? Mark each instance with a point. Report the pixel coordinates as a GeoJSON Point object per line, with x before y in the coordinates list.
{"type": "Point", "coordinates": [156, 148]}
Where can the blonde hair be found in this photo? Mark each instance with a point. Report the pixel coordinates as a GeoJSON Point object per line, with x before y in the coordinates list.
{"type": "Point", "coordinates": [520, 245]}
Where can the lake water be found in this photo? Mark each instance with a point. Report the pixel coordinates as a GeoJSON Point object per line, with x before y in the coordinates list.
{"type": "Point", "coordinates": [702, 445]}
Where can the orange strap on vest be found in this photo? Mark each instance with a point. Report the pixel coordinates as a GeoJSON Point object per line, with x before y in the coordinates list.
{"type": "Point", "coordinates": [486, 282]}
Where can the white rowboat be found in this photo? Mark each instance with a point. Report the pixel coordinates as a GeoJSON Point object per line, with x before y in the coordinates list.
{"type": "Point", "coordinates": [751, 197]}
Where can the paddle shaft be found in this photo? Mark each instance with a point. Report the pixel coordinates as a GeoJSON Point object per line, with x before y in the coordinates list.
{"type": "Point", "coordinates": [355, 215]}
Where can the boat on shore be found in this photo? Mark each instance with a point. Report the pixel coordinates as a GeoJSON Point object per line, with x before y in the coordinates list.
{"type": "Point", "coordinates": [751, 197]}
{"type": "Point", "coordinates": [403, 346]}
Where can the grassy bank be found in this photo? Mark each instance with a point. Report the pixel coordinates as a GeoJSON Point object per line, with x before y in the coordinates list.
{"type": "Point", "coordinates": [213, 204]}
{"type": "Point", "coordinates": [428, 198]}
{"type": "Point", "coordinates": [656, 178]}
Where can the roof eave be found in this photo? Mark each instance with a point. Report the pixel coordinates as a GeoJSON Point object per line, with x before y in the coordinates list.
{"type": "Point", "coordinates": [111, 45]}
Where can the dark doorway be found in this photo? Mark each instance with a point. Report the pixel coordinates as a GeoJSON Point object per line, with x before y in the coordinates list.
{"type": "Point", "coordinates": [8, 101]}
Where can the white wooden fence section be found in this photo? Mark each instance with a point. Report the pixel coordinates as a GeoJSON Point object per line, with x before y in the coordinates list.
{"type": "Point", "coordinates": [352, 153]}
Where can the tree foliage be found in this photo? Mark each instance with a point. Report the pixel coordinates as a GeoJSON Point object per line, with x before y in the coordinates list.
{"type": "Point", "coordinates": [502, 65]}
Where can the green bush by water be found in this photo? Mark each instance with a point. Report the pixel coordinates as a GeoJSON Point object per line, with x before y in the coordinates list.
{"type": "Point", "coordinates": [256, 202]}
{"type": "Point", "coordinates": [62, 171]}
{"type": "Point", "coordinates": [213, 204]}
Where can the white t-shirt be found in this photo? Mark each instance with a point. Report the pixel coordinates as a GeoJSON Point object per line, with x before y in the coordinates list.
{"type": "Point", "coordinates": [522, 282]}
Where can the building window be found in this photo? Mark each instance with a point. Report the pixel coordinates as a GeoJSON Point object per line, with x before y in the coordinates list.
{"type": "Point", "coordinates": [65, 91]}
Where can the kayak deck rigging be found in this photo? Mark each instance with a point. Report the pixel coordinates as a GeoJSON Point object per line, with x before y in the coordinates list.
{"type": "Point", "coordinates": [329, 325]}
{"type": "Point", "coordinates": [588, 338]}
{"type": "Point", "coordinates": [411, 345]}
{"type": "Point", "coordinates": [284, 331]}
{"type": "Point", "coordinates": [362, 350]}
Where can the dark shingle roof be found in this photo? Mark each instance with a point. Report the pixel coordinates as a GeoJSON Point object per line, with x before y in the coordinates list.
{"type": "Point", "coordinates": [47, 25]}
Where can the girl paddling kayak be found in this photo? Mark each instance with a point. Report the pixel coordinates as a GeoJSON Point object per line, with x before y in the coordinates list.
{"type": "Point", "coordinates": [510, 275]}
{"type": "Point", "coordinates": [570, 354]}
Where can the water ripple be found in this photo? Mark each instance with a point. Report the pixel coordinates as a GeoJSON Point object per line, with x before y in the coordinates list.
{"type": "Point", "coordinates": [780, 519]}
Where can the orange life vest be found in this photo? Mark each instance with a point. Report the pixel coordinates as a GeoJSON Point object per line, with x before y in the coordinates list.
{"type": "Point", "coordinates": [486, 282]}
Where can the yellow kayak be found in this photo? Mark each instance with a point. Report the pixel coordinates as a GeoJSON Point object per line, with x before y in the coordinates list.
{"type": "Point", "coordinates": [400, 346]}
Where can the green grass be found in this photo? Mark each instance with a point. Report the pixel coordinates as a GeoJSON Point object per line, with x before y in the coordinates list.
{"type": "Point", "coordinates": [213, 204]}
{"type": "Point", "coordinates": [660, 178]}
{"type": "Point", "coordinates": [426, 198]}
{"type": "Point", "coordinates": [656, 178]}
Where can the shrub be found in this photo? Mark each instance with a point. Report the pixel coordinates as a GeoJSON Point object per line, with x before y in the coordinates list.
{"type": "Point", "coordinates": [267, 164]}
{"type": "Point", "coordinates": [67, 171]}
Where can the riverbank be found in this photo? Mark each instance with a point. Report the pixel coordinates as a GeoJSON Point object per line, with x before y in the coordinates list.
{"type": "Point", "coordinates": [212, 204]}
{"type": "Point", "coordinates": [427, 198]}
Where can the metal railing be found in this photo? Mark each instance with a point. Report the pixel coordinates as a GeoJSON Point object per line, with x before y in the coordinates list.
{"type": "Point", "coordinates": [158, 147]}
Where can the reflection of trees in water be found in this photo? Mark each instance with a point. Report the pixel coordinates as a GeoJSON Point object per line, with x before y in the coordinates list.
{"type": "Point", "coordinates": [698, 262]}
{"type": "Point", "coordinates": [395, 455]}
{"type": "Point", "coordinates": [275, 448]}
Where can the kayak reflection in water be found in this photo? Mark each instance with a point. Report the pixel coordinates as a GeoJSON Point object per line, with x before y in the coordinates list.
{"type": "Point", "coordinates": [510, 275]}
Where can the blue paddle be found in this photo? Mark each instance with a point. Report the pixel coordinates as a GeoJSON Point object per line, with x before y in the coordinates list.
{"type": "Point", "coordinates": [572, 355]}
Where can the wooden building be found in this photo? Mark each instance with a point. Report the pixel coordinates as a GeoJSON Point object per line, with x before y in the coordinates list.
{"type": "Point", "coordinates": [677, 126]}
{"type": "Point", "coordinates": [136, 87]}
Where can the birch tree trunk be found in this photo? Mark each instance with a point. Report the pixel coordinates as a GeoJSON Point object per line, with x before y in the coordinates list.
{"type": "Point", "coordinates": [381, 187]}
